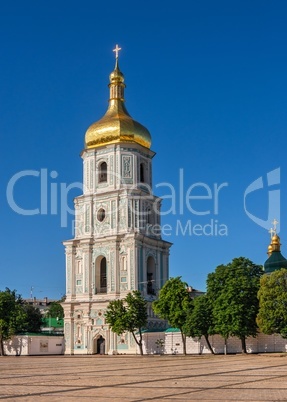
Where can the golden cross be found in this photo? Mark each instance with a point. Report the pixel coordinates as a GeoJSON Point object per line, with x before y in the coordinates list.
{"type": "Point", "coordinates": [116, 50]}
{"type": "Point", "coordinates": [272, 232]}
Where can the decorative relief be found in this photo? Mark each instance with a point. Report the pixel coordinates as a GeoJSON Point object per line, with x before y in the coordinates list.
{"type": "Point", "coordinates": [78, 253]}
{"type": "Point", "coordinates": [132, 269]}
{"type": "Point", "coordinates": [91, 183]}
{"type": "Point", "coordinates": [136, 207]}
{"type": "Point", "coordinates": [86, 263]}
{"type": "Point", "coordinates": [122, 214]}
{"type": "Point", "coordinates": [87, 218]}
{"type": "Point", "coordinates": [69, 268]}
{"type": "Point", "coordinates": [87, 181]}
{"type": "Point", "coordinates": [123, 338]}
{"type": "Point", "coordinates": [80, 222]}
{"type": "Point", "coordinates": [111, 286]}
{"type": "Point", "coordinates": [99, 250]}
{"type": "Point", "coordinates": [111, 169]}
{"type": "Point", "coordinates": [67, 333]}
{"type": "Point", "coordinates": [113, 214]}
{"type": "Point", "coordinates": [117, 170]}
{"type": "Point", "coordinates": [129, 214]}
{"type": "Point", "coordinates": [127, 167]}
{"type": "Point", "coordinates": [102, 221]}
{"type": "Point", "coordinates": [151, 253]}
{"type": "Point", "coordinates": [123, 287]}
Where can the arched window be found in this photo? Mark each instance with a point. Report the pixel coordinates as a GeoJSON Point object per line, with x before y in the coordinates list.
{"type": "Point", "coordinates": [103, 168]}
{"type": "Point", "coordinates": [151, 277]}
{"type": "Point", "coordinates": [103, 276]}
{"type": "Point", "coordinates": [149, 216]}
{"type": "Point", "coordinates": [142, 175]}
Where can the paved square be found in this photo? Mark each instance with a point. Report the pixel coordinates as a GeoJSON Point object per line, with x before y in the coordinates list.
{"type": "Point", "coordinates": [251, 378]}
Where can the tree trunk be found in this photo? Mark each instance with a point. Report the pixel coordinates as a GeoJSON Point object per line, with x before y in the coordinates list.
{"type": "Point", "coordinates": [183, 337]}
{"type": "Point", "coordinates": [243, 344]}
{"type": "Point", "coordinates": [1, 347]}
{"type": "Point", "coordinates": [139, 343]}
{"type": "Point", "coordinates": [208, 344]}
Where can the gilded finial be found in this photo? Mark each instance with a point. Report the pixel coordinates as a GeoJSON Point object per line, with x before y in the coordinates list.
{"type": "Point", "coordinates": [275, 239]}
{"type": "Point", "coordinates": [272, 232]}
{"type": "Point", "coordinates": [116, 50]}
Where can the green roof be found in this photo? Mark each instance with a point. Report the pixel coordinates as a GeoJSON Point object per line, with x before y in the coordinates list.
{"type": "Point", "coordinates": [172, 330]}
{"type": "Point", "coordinates": [39, 334]}
{"type": "Point", "coordinates": [275, 262]}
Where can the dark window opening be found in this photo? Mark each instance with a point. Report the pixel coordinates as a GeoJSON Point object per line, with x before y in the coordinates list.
{"type": "Point", "coordinates": [142, 178]}
{"type": "Point", "coordinates": [103, 276]}
{"type": "Point", "coordinates": [103, 168]}
{"type": "Point", "coordinates": [150, 288]}
{"type": "Point", "coordinates": [101, 215]}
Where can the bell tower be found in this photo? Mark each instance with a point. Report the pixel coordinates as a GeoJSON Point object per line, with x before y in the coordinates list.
{"type": "Point", "coordinates": [117, 246]}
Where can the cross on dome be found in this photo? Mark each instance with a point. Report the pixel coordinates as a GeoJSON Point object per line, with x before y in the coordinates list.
{"type": "Point", "coordinates": [116, 50]}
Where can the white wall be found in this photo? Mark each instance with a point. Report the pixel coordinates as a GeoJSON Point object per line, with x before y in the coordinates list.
{"type": "Point", "coordinates": [173, 344]}
{"type": "Point", "coordinates": [34, 345]}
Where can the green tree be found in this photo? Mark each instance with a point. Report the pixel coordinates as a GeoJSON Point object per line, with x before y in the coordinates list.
{"type": "Point", "coordinates": [13, 318]}
{"type": "Point", "coordinates": [128, 315]}
{"type": "Point", "coordinates": [174, 304]}
{"type": "Point", "coordinates": [272, 316]}
{"type": "Point", "coordinates": [55, 310]}
{"type": "Point", "coordinates": [200, 322]}
{"type": "Point", "coordinates": [33, 321]}
{"type": "Point", "coordinates": [233, 290]}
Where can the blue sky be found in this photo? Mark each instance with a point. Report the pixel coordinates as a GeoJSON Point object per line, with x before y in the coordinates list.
{"type": "Point", "coordinates": [208, 79]}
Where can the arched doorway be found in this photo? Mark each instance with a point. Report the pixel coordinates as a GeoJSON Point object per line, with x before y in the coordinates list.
{"type": "Point", "coordinates": [100, 345]}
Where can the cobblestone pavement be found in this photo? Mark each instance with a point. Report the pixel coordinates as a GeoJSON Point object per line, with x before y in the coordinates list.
{"type": "Point", "coordinates": [251, 378]}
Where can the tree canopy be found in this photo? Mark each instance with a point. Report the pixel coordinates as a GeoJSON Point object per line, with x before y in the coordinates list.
{"type": "Point", "coordinates": [174, 304]}
{"type": "Point", "coordinates": [33, 321]}
{"type": "Point", "coordinates": [272, 316]}
{"type": "Point", "coordinates": [55, 310]}
{"type": "Point", "coordinates": [233, 290]}
{"type": "Point", "coordinates": [128, 315]}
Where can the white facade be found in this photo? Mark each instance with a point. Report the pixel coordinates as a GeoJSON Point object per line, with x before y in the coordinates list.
{"type": "Point", "coordinates": [117, 246]}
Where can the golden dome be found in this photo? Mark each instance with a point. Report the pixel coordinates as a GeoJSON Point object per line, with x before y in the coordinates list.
{"type": "Point", "coordinates": [275, 244]}
{"type": "Point", "coordinates": [270, 249]}
{"type": "Point", "coordinates": [275, 239]}
{"type": "Point", "coordinates": [116, 125]}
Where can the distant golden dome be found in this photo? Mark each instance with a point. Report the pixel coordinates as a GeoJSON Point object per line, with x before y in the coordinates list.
{"type": "Point", "coordinates": [275, 243]}
{"type": "Point", "coordinates": [270, 249]}
{"type": "Point", "coordinates": [275, 239]}
{"type": "Point", "coordinates": [116, 125]}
